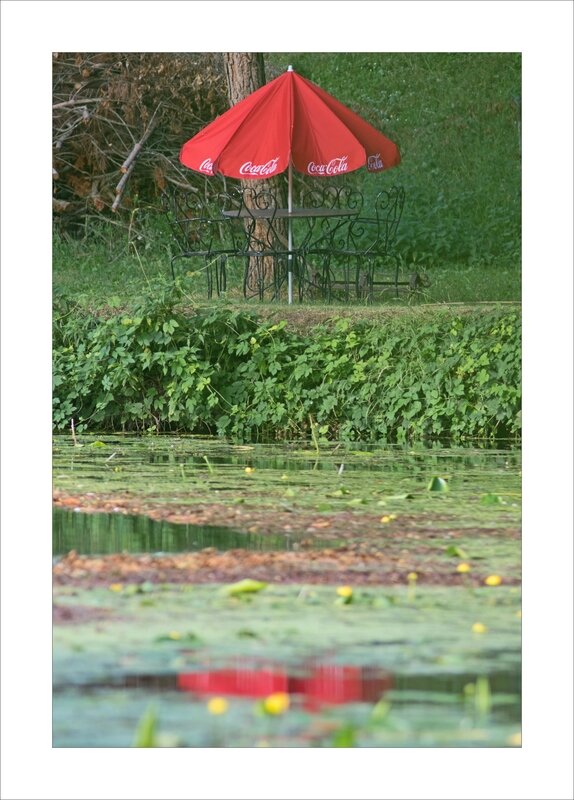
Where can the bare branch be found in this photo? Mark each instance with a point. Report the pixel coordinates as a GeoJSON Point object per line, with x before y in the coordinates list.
{"type": "Point", "coordinates": [121, 186]}
{"type": "Point", "coordinates": [78, 102]}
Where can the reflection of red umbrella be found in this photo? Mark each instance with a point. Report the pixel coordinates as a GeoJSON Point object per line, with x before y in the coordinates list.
{"type": "Point", "coordinates": [319, 684]}
{"type": "Point", "coordinates": [289, 122]}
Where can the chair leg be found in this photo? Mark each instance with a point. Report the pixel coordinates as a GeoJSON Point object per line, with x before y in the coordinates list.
{"type": "Point", "coordinates": [221, 275]}
{"type": "Point", "coordinates": [209, 279]}
{"type": "Point", "coordinates": [327, 281]}
{"type": "Point", "coordinates": [396, 260]}
{"type": "Point", "coordinates": [369, 281]}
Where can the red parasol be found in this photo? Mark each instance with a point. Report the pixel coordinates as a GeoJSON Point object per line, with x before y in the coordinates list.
{"type": "Point", "coordinates": [289, 122]}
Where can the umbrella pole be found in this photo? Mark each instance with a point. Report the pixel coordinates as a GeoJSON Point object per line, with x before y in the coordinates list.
{"type": "Point", "coordinates": [290, 235]}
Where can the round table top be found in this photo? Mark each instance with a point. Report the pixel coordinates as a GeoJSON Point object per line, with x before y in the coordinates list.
{"type": "Point", "coordinates": [284, 213]}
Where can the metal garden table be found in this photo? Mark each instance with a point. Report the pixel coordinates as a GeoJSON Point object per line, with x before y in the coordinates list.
{"type": "Point", "coordinates": [266, 246]}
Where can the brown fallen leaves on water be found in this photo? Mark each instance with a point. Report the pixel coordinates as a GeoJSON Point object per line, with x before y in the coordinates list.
{"type": "Point", "coordinates": [365, 556]}
{"type": "Point", "coordinates": [328, 566]}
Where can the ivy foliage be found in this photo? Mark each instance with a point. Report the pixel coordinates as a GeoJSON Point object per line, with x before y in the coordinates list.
{"type": "Point", "coordinates": [227, 372]}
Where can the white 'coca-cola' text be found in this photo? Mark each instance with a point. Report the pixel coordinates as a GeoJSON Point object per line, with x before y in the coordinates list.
{"type": "Point", "coordinates": [334, 167]}
{"type": "Point", "coordinates": [249, 168]}
{"type": "Point", "coordinates": [374, 162]}
{"type": "Point", "coordinates": [206, 166]}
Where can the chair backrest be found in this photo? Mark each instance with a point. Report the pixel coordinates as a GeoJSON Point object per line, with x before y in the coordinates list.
{"type": "Point", "coordinates": [389, 206]}
{"type": "Point", "coordinates": [329, 195]}
{"type": "Point", "coordinates": [258, 210]}
{"type": "Point", "coordinates": [376, 234]}
{"type": "Point", "coordinates": [191, 221]}
{"type": "Point", "coordinates": [327, 232]}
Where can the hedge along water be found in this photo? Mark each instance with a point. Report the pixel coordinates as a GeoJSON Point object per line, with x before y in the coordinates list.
{"type": "Point", "coordinates": [227, 372]}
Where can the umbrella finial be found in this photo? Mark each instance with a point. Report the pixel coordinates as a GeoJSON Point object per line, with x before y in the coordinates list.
{"type": "Point", "coordinates": [289, 68]}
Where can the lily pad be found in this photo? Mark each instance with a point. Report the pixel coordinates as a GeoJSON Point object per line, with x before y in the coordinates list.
{"type": "Point", "coordinates": [246, 586]}
{"type": "Point", "coordinates": [456, 552]}
{"type": "Point", "coordinates": [438, 485]}
{"type": "Point", "coordinates": [491, 500]}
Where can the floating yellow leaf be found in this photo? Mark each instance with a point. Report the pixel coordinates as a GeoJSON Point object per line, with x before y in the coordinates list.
{"type": "Point", "coordinates": [217, 706]}
{"type": "Point", "coordinates": [463, 567]}
{"type": "Point", "coordinates": [478, 627]}
{"type": "Point", "coordinates": [245, 586]}
{"type": "Point", "coordinates": [493, 580]}
{"type": "Point", "coordinates": [277, 703]}
{"type": "Point", "coordinates": [116, 587]}
{"type": "Point", "coordinates": [249, 470]}
{"type": "Point", "coordinates": [345, 595]}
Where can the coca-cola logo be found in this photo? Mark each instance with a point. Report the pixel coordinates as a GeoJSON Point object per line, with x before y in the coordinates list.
{"type": "Point", "coordinates": [249, 168]}
{"type": "Point", "coordinates": [206, 166]}
{"type": "Point", "coordinates": [374, 162]}
{"type": "Point", "coordinates": [334, 167]}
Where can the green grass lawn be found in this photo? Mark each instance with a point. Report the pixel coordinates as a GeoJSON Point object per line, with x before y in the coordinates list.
{"type": "Point", "coordinates": [98, 273]}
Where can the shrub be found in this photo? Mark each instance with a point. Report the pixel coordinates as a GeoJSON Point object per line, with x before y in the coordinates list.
{"type": "Point", "coordinates": [227, 372]}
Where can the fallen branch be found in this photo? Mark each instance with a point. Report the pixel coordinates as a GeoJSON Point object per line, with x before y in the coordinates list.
{"type": "Point", "coordinates": [181, 184]}
{"type": "Point", "coordinates": [77, 102]}
{"type": "Point", "coordinates": [138, 146]}
{"type": "Point", "coordinates": [121, 186]}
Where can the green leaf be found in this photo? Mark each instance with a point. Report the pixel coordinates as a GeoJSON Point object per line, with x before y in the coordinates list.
{"type": "Point", "coordinates": [247, 633]}
{"type": "Point", "coordinates": [491, 500]}
{"type": "Point", "coordinates": [438, 485]}
{"type": "Point", "coordinates": [344, 737]}
{"type": "Point", "coordinates": [186, 638]}
{"type": "Point", "coordinates": [146, 735]}
{"type": "Point", "coordinates": [456, 552]}
{"type": "Point", "coordinates": [482, 696]}
{"type": "Point", "coordinates": [381, 710]}
{"type": "Point", "coordinates": [338, 492]}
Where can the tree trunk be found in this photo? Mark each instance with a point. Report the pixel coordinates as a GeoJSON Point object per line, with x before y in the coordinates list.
{"type": "Point", "coordinates": [245, 73]}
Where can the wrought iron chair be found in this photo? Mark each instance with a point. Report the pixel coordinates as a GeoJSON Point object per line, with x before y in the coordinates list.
{"type": "Point", "coordinates": [325, 245]}
{"type": "Point", "coordinates": [370, 245]}
{"type": "Point", "coordinates": [202, 235]}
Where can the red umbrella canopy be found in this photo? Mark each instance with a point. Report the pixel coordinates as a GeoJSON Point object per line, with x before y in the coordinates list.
{"type": "Point", "coordinates": [288, 118]}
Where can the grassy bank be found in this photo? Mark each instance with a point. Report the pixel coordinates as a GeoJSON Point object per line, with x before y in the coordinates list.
{"type": "Point", "coordinates": [219, 370]}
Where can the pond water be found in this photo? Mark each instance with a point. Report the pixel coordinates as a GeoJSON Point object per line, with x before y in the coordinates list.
{"type": "Point", "coordinates": [437, 668]}
{"type": "Point", "coordinates": [186, 471]}
{"type": "Point", "coordinates": [388, 670]}
{"type": "Point", "coordinates": [105, 533]}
